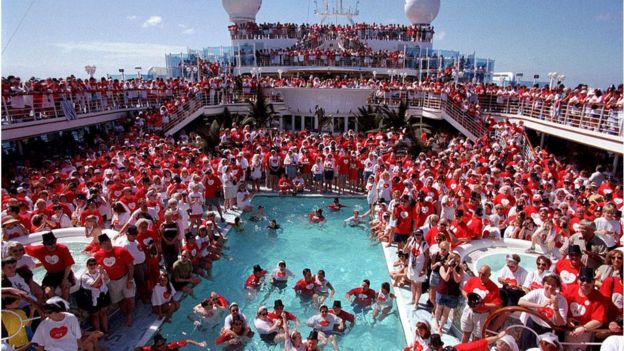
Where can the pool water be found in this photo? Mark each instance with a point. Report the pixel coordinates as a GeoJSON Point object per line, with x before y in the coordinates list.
{"type": "Point", "coordinates": [344, 252]}
{"type": "Point", "coordinates": [497, 262]}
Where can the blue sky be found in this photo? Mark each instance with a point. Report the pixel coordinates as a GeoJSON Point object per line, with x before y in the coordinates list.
{"type": "Point", "coordinates": [581, 39]}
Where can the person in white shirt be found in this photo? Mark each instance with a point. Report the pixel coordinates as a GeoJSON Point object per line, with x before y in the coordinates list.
{"type": "Point", "coordinates": [163, 302]}
{"type": "Point", "coordinates": [323, 323]}
{"type": "Point", "coordinates": [549, 303]}
{"type": "Point", "coordinates": [512, 278]}
{"type": "Point", "coordinates": [137, 251]}
{"type": "Point", "coordinates": [280, 275]}
{"type": "Point", "coordinates": [270, 330]}
{"type": "Point", "coordinates": [95, 279]}
{"type": "Point", "coordinates": [60, 330]}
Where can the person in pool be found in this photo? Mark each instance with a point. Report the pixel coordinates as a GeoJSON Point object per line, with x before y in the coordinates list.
{"type": "Point", "coordinates": [323, 323]}
{"type": "Point", "coordinates": [160, 344]}
{"type": "Point", "coordinates": [362, 297]}
{"type": "Point", "coordinates": [280, 275]}
{"type": "Point", "coordinates": [316, 216]}
{"type": "Point", "coordinates": [336, 205]}
{"type": "Point", "coordinates": [384, 301]}
{"type": "Point", "coordinates": [209, 310]}
{"type": "Point", "coordinates": [273, 225]}
{"type": "Point", "coordinates": [255, 279]}
{"type": "Point", "coordinates": [353, 220]}
{"type": "Point", "coordinates": [259, 215]}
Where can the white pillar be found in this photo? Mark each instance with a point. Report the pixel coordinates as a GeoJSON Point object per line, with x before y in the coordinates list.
{"type": "Point", "coordinates": [292, 121]}
{"type": "Point", "coordinates": [346, 124]}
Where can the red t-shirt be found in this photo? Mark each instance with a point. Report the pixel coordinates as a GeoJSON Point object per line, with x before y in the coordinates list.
{"type": "Point", "coordinates": [567, 272]}
{"type": "Point", "coordinates": [170, 346]}
{"type": "Point", "coordinates": [588, 308]}
{"type": "Point", "coordinates": [344, 315]}
{"type": "Point", "coordinates": [489, 292]}
{"type": "Point", "coordinates": [253, 281]}
{"type": "Point", "coordinates": [274, 316]}
{"type": "Point", "coordinates": [362, 297]}
{"type": "Point", "coordinates": [477, 345]}
{"type": "Point", "coordinates": [115, 262]}
{"type": "Point", "coordinates": [404, 219]}
{"type": "Point", "coordinates": [304, 288]}
{"type": "Point", "coordinates": [53, 261]}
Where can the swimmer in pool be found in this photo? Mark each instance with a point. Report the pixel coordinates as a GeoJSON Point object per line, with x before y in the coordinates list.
{"type": "Point", "coordinates": [316, 216]}
{"type": "Point", "coordinates": [353, 220]}
{"type": "Point", "coordinates": [210, 310]}
{"type": "Point", "coordinates": [255, 279]}
{"type": "Point", "coordinates": [273, 225]}
{"type": "Point", "coordinates": [259, 216]}
{"type": "Point", "coordinates": [280, 275]}
{"type": "Point", "coordinates": [336, 205]}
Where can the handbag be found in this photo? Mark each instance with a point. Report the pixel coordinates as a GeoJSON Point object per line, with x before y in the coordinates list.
{"type": "Point", "coordinates": [84, 298]}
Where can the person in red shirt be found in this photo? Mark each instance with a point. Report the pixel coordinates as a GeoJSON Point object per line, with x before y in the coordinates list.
{"type": "Point", "coordinates": [212, 184]}
{"type": "Point", "coordinates": [57, 261]}
{"type": "Point", "coordinates": [569, 268]}
{"type": "Point", "coordinates": [279, 313]}
{"type": "Point", "coordinates": [119, 264]}
{"type": "Point", "coordinates": [305, 286]}
{"type": "Point", "coordinates": [160, 344]}
{"type": "Point", "coordinates": [362, 297]}
{"type": "Point", "coordinates": [344, 315]}
{"type": "Point", "coordinates": [255, 279]}
{"type": "Point", "coordinates": [404, 217]}
{"type": "Point", "coordinates": [285, 185]}
{"type": "Point", "coordinates": [486, 295]}
{"type": "Point", "coordinates": [587, 309]}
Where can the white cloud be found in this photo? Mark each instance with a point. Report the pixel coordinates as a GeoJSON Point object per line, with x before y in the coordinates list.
{"type": "Point", "coordinates": [119, 50]}
{"type": "Point", "coordinates": [152, 21]}
{"type": "Point", "coordinates": [131, 18]}
{"type": "Point", "coordinates": [188, 31]}
{"type": "Point", "coordinates": [439, 36]}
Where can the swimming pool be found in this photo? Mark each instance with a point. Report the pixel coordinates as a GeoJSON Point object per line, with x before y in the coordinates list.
{"type": "Point", "coordinates": [345, 253]}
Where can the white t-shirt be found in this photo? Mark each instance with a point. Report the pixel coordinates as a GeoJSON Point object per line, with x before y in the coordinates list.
{"type": "Point", "coordinates": [263, 326]}
{"type": "Point", "coordinates": [58, 336]}
{"type": "Point", "coordinates": [281, 276]}
{"type": "Point", "coordinates": [160, 295]}
{"type": "Point", "coordinates": [534, 279]}
{"type": "Point", "coordinates": [227, 324]}
{"type": "Point", "coordinates": [26, 261]}
{"type": "Point", "coordinates": [612, 226]}
{"type": "Point", "coordinates": [613, 343]}
{"type": "Point", "coordinates": [87, 279]}
{"type": "Point", "coordinates": [135, 250]}
{"type": "Point", "coordinates": [537, 296]}
{"type": "Point", "coordinates": [513, 278]}
{"type": "Point", "coordinates": [316, 322]}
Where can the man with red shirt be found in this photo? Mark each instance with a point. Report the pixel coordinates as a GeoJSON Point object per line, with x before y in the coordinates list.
{"type": "Point", "coordinates": [569, 268]}
{"type": "Point", "coordinates": [344, 315]}
{"type": "Point", "coordinates": [279, 313]}
{"type": "Point", "coordinates": [119, 264]}
{"type": "Point", "coordinates": [305, 286]}
{"type": "Point", "coordinates": [404, 219]}
{"type": "Point", "coordinates": [474, 317]}
{"type": "Point", "coordinates": [57, 261]}
{"type": "Point", "coordinates": [587, 308]}
{"type": "Point", "coordinates": [212, 184]}
{"type": "Point", "coordinates": [361, 297]}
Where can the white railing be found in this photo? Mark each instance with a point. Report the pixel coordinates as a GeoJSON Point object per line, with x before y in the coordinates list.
{"type": "Point", "coordinates": [596, 118]}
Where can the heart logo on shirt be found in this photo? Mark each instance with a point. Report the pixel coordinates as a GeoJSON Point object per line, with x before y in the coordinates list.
{"type": "Point", "coordinates": [577, 310]}
{"type": "Point", "coordinates": [567, 277]}
{"type": "Point", "coordinates": [480, 292]}
{"type": "Point", "coordinates": [109, 261]}
{"type": "Point", "coordinates": [166, 295]}
{"type": "Point", "coordinates": [54, 259]}
{"type": "Point", "coordinates": [546, 312]}
{"type": "Point", "coordinates": [324, 323]}
{"type": "Point", "coordinates": [281, 274]}
{"type": "Point", "coordinates": [210, 182]}
{"type": "Point", "coordinates": [404, 214]}
{"type": "Point", "coordinates": [362, 296]}
{"type": "Point", "coordinates": [58, 333]}
{"type": "Point", "coordinates": [535, 285]}
{"type": "Point", "coordinates": [117, 193]}
{"type": "Point", "coordinates": [309, 286]}
{"type": "Point", "coordinates": [504, 202]}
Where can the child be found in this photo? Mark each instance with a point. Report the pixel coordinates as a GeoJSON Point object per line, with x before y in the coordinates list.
{"type": "Point", "coordinates": [16, 322]}
{"type": "Point", "coordinates": [336, 205]}
{"type": "Point", "coordinates": [273, 225]}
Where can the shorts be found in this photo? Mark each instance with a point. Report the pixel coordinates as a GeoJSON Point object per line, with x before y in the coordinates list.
{"type": "Point", "coordinates": [179, 285]}
{"type": "Point", "coordinates": [399, 238]}
{"type": "Point", "coordinates": [472, 322]}
{"type": "Point", "coordinates": [268, 338]}
{"type": "Point", "coordinates": [118, 289]}
{"type": "Point", "coordinates": [212, 201]}
{"type": "Point", "coordinates": [434, 279]}
{"type": "Point", "coordinates": [329, 175]}
{"type": "Point", "coordinates": [318, 177]}
{"type": "Point", "coordinates": [445, 300]}
{"type": "Point", "coordinates": [54, 280]}
{"type": "Point", "coordinates": [366, 175]}
{"type": "Point", "coordinates": [103, 301]}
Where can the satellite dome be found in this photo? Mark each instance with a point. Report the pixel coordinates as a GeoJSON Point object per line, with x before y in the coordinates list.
{"type": "Point", "coordinates": [242, 10]}
{"type": "Point", "coordinates": [422, 11]}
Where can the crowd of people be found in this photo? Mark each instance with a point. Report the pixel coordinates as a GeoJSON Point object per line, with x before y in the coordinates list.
{"type": "Point", "coordinates": [320, 32]}
{"type": "Point", "coordinates": [164, 196]}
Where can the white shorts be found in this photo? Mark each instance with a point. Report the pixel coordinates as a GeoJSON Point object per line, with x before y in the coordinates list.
{"type": "Point", "coordinates": [472, 322]}
{"type": "Point", "coordinates": [118, 289]}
